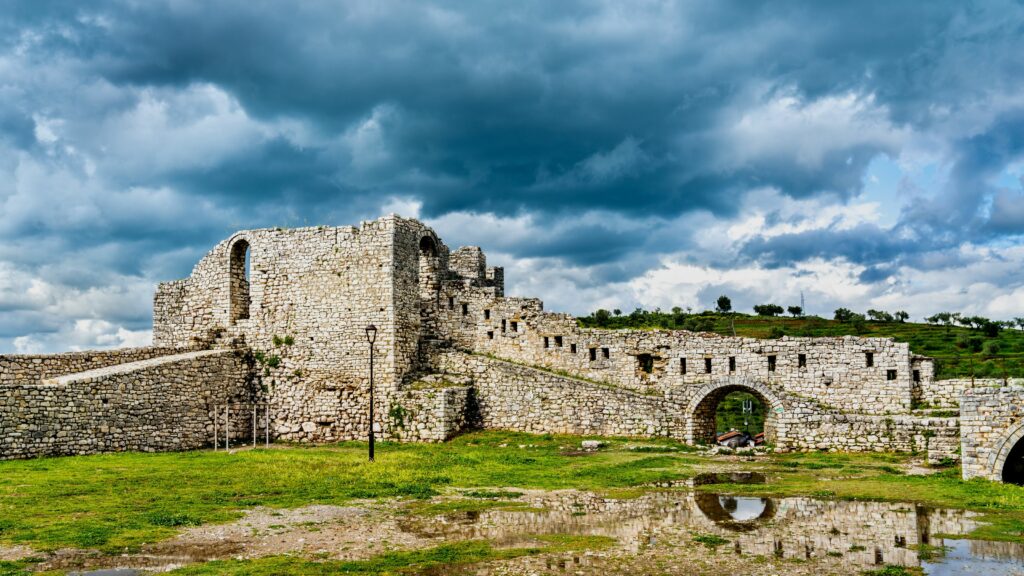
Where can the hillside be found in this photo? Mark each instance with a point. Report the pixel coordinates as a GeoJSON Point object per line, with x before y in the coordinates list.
{"type": "Point", "coordinates": [958, 351]}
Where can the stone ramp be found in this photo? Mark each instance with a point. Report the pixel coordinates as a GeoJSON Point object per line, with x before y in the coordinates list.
{"type": "Point", "coordinates": [33, 368]}
{"type": "Point", "coordinates": [128, 367]}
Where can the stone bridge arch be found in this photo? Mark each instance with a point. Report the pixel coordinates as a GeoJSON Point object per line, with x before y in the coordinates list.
{"type": "Point", "coordinates": [1009, 443]}
{"type": "Point", "coordinates": [700, 410]}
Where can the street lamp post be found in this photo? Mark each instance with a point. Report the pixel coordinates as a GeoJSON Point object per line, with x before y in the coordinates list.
{"type": "Point", "coordinates": [371, 335]}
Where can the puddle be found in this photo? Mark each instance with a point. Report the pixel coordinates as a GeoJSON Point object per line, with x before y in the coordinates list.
{"type": "Point", "coordinates": [853, 536]}
{"type": "Point", "coordinates": [977, 557]}
{"type": "Point", "coordinates": [729, 478]}
{"type": "Point", "coordinates": [655, 533]}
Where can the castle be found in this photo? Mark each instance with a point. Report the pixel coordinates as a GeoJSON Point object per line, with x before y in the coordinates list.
{"type": "Point", "coordinates": [276, 318]}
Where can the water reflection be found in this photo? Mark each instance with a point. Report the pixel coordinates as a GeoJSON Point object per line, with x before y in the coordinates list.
{"type": "Point", "coordinates": [728, 478]}
{"type": "Point", "coordinates": [735, 513]}
{"type": "Point", "coordinates": [864, 534]}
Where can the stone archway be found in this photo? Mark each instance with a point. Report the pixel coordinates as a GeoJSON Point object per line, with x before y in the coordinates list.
{"type": "Point", "coordinates": [700, 411]}
{"type": "Point", "coordinates": [1005, 463]}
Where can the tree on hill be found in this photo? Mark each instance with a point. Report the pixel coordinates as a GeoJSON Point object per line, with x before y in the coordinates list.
{"type": "Point", "coordinates": [901, 316]}
{"type": "Point", "coordinates": [880, 316]}
{"type": "Point", "coordinates": [723, 304]}
{"type": "Point", "coordinates": [768, 309]}
{"type": "Point", "coordinates": [602, 317]}
{"type": "Point", "coordinates": [795, 311]}
{"type": "Point", "coordinates": [844, 315]}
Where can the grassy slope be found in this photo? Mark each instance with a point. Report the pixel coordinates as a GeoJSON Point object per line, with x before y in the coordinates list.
{"type": "Point", "coordinates": [115, 501]}
{"type": "Point", "coordinates": [938, 342]}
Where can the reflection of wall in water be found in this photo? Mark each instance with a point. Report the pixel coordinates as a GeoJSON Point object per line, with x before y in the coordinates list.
{"type": "Point", "coordinates": [865, 533]}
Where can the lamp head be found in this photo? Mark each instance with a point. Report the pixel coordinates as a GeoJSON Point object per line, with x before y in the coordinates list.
{"type": "Point", "coordinates": [371, 333]}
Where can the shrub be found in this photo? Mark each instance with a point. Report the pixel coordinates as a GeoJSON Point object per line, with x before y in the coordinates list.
{"type": "Point", "coordinates": [844, 314]}
{"type": "Point", "coordinates": [768, 309]}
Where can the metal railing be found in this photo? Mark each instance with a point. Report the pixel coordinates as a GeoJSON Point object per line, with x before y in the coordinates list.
{"type": "Point", "coordinates": [226, 409]}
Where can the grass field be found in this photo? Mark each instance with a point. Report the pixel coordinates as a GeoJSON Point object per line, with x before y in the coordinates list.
{"type": "Point", "coordinates": [116, 502]}
{"type": "Point", "coordinates": [958, 351]}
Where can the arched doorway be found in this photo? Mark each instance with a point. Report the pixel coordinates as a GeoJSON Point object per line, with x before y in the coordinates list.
{"type": "Point", "coordinates": [703, 409]}
{"type": "Point", "coordinates": [1013, 466]}
{"type": "Point", "coordinates": [238, 270]}
{"type": "Point", "coordinates": [741, 410]}
{"type": "Point", "coordinates": [1006, 460]}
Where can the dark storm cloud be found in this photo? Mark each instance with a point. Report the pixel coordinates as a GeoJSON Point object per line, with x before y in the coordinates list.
{"type": "Point", "coordinates": [501, 97]}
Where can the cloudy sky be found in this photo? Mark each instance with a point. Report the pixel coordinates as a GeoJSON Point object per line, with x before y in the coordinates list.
{"type": "Point", "coordinates": [608, 154]}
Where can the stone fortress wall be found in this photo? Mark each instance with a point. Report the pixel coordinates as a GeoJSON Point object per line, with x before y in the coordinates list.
{"type": "Point", "coordinates": [294, 303]}
{"type": "Point", "coordinates": [992, 424]}
{"type": "Point", "coordinates": [157, 404]}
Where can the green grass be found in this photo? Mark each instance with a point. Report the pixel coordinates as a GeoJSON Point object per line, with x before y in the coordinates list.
{"type": "Point", "coordinates": [117, 501]}
{"type": "Point", "coordinates": [710, 540]}
{"type": "Point", "coordinates": [957, 350]}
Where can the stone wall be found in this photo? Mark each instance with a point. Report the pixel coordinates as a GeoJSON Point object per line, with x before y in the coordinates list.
{"type": "Point", "coordinates": [309, 295]}
{"type": "Point", "coordinates": [514, 397]}
{"type": "Point", "coordinates": [158, 404]}
{"type": "Point", "coordinates": [991, 424]}
{"type": "Point", "coordinates": [946, 393]}
{"type": "Point", "coordinates": [432, 414]}
{"type": "Point", "coordinates": [31, 368]}
{"type": "Point", "coordinates": [862, 375]}
{"type": "Point", "coordinates": [939, 438]}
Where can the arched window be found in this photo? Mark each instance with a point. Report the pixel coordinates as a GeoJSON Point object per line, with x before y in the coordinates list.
{"type": "Point", "coordinates": [428, 247]}
{"type": "Point", "coordinates": [429, 284]}
{"type": "Point", "coordinates": [239, 272]}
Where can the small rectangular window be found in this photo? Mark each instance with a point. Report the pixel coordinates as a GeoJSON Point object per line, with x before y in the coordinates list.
{"type": "Point", "coordinates": [490, 334]}
{"type": "Point", "coordinates": [646, 362]}
{"type": "Point", "coordinates": [502, 325]}
{"type": "Point", "coordinates": [732, 363]}
{"type": "Point", "coordinates": [465, 309]}
{"type": "Point", "coordinates": [515, 326]}
{"type": "Point", "coordinates": [487, 314]}
{"type": "Point", "coordinates": [771, 363]}
{"type": "Point", "coordinates": [890, 374]}
{"type": "Point", "coordinates": [682, 365]}
{"type": "Point", "coordinates": [917, 375]}
{"type": "Point", "coordinates": [801, 360]}
{"type": "Point", "coordinates": [558, 341]}
{"type": "Point", "coordinates": [546, 342]}
{"type": "Point", "coordinates": [593, 354]}
{"type": "Point", "coordinates": [572, 348]}
{"type": "Point", "coordinates": [707, 365]}
{"type": "Point", "coordinates": [869, 359]}
{"type": "Point", "coordinates": [606, 353]}
{"type": "Point", "coordinates": [451, 302]}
